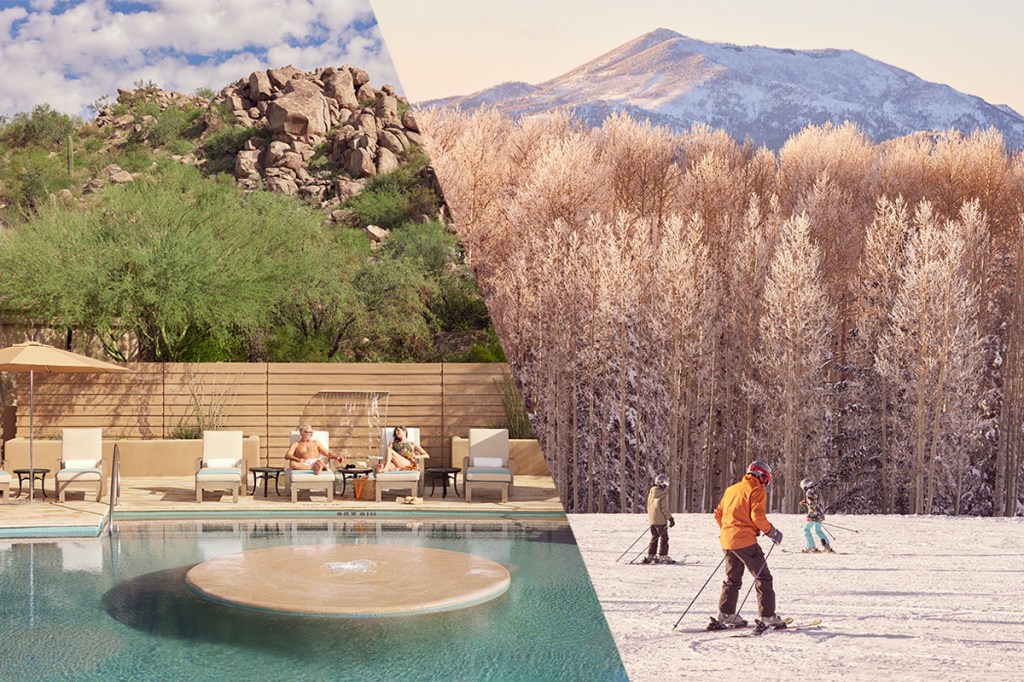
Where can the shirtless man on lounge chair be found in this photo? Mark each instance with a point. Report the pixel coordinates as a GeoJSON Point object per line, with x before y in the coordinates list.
{"type": "Point", "coordinates": [306, 453]}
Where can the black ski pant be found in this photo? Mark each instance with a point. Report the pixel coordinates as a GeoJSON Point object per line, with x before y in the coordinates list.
{"type": "Point", "coordinates": [658, 534]}
{"type": "Point", "coordinates": [752, 559]}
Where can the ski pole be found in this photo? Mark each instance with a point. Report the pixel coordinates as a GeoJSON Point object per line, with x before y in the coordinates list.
{"type": "Point", "coordinates": [828, 532]}
{"type": "Point", "coordinates": [832, 525]}
{"type": "Point", "coordinates": [699, 591]}
{"type": "Point", "coordinates": [756, 578]}
{"type": "Point", "coordinates": [631, 546]}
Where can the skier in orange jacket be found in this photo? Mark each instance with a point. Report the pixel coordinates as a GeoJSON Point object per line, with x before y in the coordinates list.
{"type": "Point", "coordinates": [742, 517]}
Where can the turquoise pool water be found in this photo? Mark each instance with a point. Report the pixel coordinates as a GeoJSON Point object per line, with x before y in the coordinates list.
{"type": "Point", "coordinates": [118, 609]}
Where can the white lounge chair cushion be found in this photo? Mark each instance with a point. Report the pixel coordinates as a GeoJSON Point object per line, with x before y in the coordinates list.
{"type": "Point", "coordinates": [79, 475]}
{"type": "Point", "coordinates": [81, 464]}
{"type": "Point", "coordinates": [5, 477]}
{"type": "Point", "coordinates": [494, 462]}
{"type": "Point", "coordinates": [497, 475]}
{"type": "Point", "coordinates": [219, 475]}
{"type": "Point", "coordinates": [221, 463]}
{"type": "Point", "coordinates": [308, 473]}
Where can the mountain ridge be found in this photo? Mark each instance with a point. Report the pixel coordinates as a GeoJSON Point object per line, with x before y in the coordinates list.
{"type": "Point", "coordinates": [766, 94]}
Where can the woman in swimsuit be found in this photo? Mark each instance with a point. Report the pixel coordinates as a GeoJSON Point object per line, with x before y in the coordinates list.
{"type": "Point", "coordinates": [401, 453]}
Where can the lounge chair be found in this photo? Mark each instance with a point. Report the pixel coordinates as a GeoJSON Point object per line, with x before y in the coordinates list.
{"type": "Point", "coordinates": [5, 486]}
{"type": "Point", "coordinates": [399, 480]}
{"type": "Point", "coordinates": [300, 479]}
{"type": "Point", "coordinates": [489, 464]}
{"type": "Point", "coordinates": [81, 462]}
{"type": "Point", "coordinates": [222, 465]}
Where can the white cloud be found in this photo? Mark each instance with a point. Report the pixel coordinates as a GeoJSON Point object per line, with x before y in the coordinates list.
{"type": "Point", "coordinates": [69, 53]}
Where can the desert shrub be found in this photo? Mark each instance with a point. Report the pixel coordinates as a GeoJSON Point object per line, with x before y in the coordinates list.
{"type": "Point", "coordinates": [28, 175]}
{"type": "Point", "coordinates": [430, 243]}
{"type": "Point", "coordinates": [516, 416]}
{"type": "Point", "coordinates": [221, 146]}
{"type": "Point", "coordinates": [184, 265]}
{"type": "Point", "coordinates": [458, 306]}
{"type": "Point", "coordinates": [44, 127]}
{"type": "Point", "coordinates": [387, 208]}
{"type": "Point", "coordinates": [490, 351]}
{"type": "Point", "coordinates": [173, 125]}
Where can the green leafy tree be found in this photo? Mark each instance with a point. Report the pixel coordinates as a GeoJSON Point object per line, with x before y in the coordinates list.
{"type": "Point", "coordinates": [44, 127]}
{"type": "Point", "coordinates": [173, 265]}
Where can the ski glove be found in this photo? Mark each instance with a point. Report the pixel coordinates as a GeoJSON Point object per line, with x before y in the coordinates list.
{"type": "Point", "coordinates": [775, 534]}
{"type": "Point", "coordinates": [671, 523]}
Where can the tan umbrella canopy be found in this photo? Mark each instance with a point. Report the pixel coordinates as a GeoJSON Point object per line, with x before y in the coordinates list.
{"type": "Point", "coordinates": [35, 357]}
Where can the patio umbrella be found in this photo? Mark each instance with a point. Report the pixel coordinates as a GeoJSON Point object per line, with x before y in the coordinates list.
{"type": "Point", "coordinates": [35, 357]}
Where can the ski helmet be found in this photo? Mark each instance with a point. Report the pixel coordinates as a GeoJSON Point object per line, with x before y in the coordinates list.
{"type": "Point", "coordinates": [761, 470]}
{"type": "Point", "coordinates": [806, 483]}
{"type": "Point", "coordinates": [661, 481]}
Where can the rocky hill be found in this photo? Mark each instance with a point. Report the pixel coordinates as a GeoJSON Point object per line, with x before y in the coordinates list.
{"type": "Point", "coordinates": [750, 91]}
{"type": "Point", "coordinates": [325, 138]}
{"type": "Point", "coordinates": [319, 135]}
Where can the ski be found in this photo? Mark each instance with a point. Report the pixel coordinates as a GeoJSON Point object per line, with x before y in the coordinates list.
{"type": "Point", "coordinates": [684, 562]}
{"type": "Point", "coordinates": [758, 631]}
{"type": "Point", "coordinates": [726, 629]}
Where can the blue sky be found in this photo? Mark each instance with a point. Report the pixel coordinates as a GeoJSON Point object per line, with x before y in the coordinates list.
{"type": "Point", "coordinates": [69, 53]}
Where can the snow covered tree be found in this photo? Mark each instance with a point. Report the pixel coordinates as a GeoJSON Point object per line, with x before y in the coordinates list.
{"type": "Point", "coordinates": [792, 357]}
{"type": "Point", "coordinates": [930, 354]}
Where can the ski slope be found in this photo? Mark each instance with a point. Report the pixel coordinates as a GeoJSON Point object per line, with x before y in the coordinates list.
{"type": "Point", "coordinates": [906, 598]}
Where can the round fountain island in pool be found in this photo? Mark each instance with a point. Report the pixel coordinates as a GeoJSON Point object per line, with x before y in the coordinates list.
{"type": "Point", "coordinates": [354, 581]}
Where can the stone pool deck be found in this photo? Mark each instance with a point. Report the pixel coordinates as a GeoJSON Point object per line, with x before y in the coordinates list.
{"type": "Point", "coordinates": [174, 497]}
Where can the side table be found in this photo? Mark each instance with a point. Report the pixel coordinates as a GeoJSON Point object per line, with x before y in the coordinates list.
{"type": "Point", "coordinates": [266, 473]}
{"type": "Point", "coordinates": [444, 473]}
{"type": "Point", "coordinates": [37, 474]}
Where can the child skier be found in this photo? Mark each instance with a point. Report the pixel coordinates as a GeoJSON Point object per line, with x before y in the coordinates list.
{"type": "Point", "coordinates": [742, 516]}
{"type": "Point", "coordinates": [660, 518]}
{"type": "Point", "coordinates": [815, 510]}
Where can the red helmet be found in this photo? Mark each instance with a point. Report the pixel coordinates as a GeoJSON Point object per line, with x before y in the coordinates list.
{"type": "Point", "coordinates": [762, 471]}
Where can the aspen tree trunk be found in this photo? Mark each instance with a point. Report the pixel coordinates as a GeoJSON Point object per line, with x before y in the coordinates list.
{"type": "Point", "coordinates": [1007, 463]}
{"type": "Point", "coordinates": [690, 460]}
{"type": "Point", "coordinates": [887, 484]}
{"type": "Point", "coordinates": [672, 465]}
{"type": "Point", "coordinates": [623, 385]}
{"type": "Point", "coordinates": [920, 419]}
{"type": "Point", "coordinates": [939, 401]}
{"type": "Point", "coordinates": [639, 457]}
{"type": "Point", "coordinates": [709, 440]}
{"type": "Point", "coordinates": [597, 483]}
{"type": "Point", "coordinates": [578, 472]}
{"type": "Point", "coordinates": [592, 463]}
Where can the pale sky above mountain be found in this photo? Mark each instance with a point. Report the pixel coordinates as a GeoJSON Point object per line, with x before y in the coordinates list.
{"type": "Point", "coordinates": [69, 53]}
{"type": "Point", "coordinates": [456, 47]}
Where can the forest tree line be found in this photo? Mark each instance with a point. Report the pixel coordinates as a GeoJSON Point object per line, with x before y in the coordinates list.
{"type": "Point", "coordinates": [685, 303]}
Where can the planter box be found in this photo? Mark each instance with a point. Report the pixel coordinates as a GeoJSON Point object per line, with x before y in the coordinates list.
{"type": "Point", "coordinates": [527, 459]}
{"type": "Point", "coordinates": [138, 457]}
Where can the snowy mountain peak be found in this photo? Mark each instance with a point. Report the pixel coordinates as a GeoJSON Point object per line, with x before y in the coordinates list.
{"type": "Point", "coordinates": [764, 93]}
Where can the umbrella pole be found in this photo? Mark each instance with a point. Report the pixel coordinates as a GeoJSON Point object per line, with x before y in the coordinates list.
{"type": "Point", "coordinates": [31, 431]}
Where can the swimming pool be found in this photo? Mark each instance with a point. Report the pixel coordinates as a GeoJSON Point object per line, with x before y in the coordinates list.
{"type": "Point", "coordinates": [103, 609]}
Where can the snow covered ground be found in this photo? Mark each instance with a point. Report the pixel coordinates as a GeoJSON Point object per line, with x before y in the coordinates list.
{"type": "Point", "coordinates": [906, 598]}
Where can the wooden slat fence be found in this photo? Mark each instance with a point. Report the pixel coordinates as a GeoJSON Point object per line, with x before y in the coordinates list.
{"type": "Point", "coordinates": [352, 401]}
